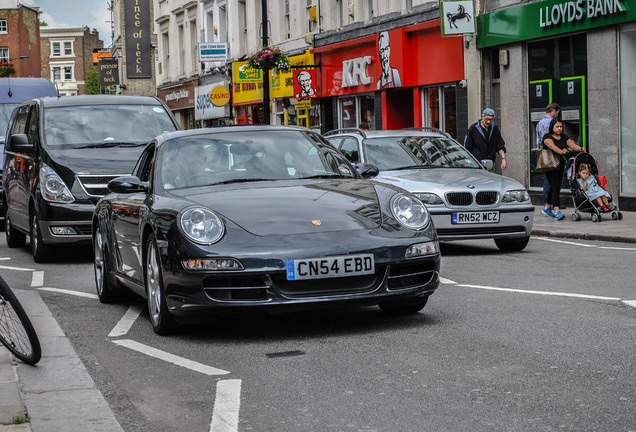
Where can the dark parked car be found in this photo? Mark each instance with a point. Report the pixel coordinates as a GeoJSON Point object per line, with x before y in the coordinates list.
{"type": "Point", "coordinates": [14, 91]}
{"type": "Point", "coordinates": [465, 199]}
{"type": "Point", "coordinates": [60, 155]}
{"type": "Point", "coordinates": [230, 219]}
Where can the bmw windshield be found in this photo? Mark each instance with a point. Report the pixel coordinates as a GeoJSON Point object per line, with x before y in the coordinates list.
{"type": "Point", "coordinates": [402, 152]}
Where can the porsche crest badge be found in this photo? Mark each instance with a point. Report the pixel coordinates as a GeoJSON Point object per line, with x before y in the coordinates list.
{"type": "Point", "coordinates": [316, 222]}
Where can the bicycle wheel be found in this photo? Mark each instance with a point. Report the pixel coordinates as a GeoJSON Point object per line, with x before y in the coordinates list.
{"type": "Point", "coordinates": [16, 331]}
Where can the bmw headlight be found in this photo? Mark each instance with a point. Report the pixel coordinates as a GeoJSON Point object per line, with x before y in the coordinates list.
{"type": "Point", "coordinates": [516, 196]}
{"type": "Point", "coordinates": [409, 211]}
{"type": "Point", "coordinates": [201, 225]}
{"type": "Point", "coordinates": [53, 187]}
{"type": "Point", "coordinates": [429, 198]}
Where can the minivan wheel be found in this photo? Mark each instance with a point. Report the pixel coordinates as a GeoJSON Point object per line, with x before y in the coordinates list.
{"type": "Point", "coordinates": [41, 252]}
{"type": "Point", "coordinates": [15, 238]}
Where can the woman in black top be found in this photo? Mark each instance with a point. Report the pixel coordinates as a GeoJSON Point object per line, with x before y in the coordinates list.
{"type": "Point", "coordinates": [561, 144]}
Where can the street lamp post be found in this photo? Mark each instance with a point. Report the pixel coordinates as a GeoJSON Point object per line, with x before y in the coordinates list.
{"type": "Point", "coordinates": [266, 119]}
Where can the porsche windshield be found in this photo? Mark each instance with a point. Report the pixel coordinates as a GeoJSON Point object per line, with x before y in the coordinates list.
{"type": "Point", "coordinates": [104, 125]}
{"type": "Point", "coordinates": [399, 152]}
{"type": "Point", "coordinates": [228, 157]}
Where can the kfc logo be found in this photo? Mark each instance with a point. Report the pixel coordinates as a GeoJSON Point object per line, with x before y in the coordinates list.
{"type": "Point", "coordinates": [354, 72]}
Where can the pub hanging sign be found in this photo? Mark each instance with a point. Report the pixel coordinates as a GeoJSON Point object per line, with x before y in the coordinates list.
{"type": "Point", "coordinates": [137, 22]}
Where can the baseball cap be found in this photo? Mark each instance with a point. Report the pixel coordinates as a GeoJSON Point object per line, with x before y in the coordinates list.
{"type": "Point", "coordinates": [489, 112]}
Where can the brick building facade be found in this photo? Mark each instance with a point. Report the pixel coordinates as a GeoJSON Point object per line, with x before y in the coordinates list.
{"type": "Point", "coordinates": [20, 37]}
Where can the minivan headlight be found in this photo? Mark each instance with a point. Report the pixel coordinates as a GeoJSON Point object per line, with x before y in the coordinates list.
{"type": "Point", "coordinates": [53, 187]}
{"type": "Point", "coordinates": [409, 211]}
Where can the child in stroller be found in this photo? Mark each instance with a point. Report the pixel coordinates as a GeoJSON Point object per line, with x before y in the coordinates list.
{"type": "Point", "coordinates": [588, 190]}
{"type": "Point", "coordinates": [593, 190]}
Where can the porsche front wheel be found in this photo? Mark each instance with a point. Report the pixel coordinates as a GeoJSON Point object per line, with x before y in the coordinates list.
{"type": "Point", "coordinates": [161, 320]}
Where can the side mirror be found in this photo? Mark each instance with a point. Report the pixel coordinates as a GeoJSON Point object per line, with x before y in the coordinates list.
{"type": "Point", "coordinates": [127, 185]}
{"type": "Point", "coordinates": [19, 143]}
{"type": "Point", "coordinates": [367, 171]}
{"type": "Point", "coordinates": [488, 164]}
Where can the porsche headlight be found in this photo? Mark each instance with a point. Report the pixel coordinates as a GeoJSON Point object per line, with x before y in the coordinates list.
{"type": "Point", "coordinates": [53, 187]}
{"type": "Point", "coordinates": [516, 196]}
{"type": "Point", "coordinates": [429, 198]}
{"type": "Point", "coordinates": [409, 211]}
{"type": "Point", "coordinates": [201, 225]}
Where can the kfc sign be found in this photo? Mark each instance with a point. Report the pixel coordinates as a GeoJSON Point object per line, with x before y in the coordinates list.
{"type": "Point", "coordinates": [354, 72]}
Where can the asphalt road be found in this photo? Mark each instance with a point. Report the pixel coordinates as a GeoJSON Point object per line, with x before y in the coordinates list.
{"type": "Point", "coordinates": [541, 340]}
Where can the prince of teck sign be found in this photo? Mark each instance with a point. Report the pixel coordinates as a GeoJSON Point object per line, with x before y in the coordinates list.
{"type": "Point", "coordinates": [137, 21]}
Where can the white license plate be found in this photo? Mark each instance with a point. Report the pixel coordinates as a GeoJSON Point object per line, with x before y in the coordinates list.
{"type": "Point", "coordinates": [475, 217]}
{"type": "Point", "coordinates": [339, 266]}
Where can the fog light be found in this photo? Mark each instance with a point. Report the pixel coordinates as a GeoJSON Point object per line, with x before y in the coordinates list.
{"type": "Point", "coordinates": [421, 249]}
{"type": "Point", "coordinates": [62, 230]}
{"type": "Point", "coordinates": [212, 264]}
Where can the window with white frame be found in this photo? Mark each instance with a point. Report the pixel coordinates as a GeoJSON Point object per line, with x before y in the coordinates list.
{"type": "Point", "coordinates": [287, 33]}
{"type": "Point", "coordinates": [181, 36]}
{"type": "Point", "coordinates": [166, 53]}
{"type": "Point", "coordinates": [62, 73]}
{"type": "Point", "coordinates": [311, 16]}
{"type": "Point", "coordinates": [222, 16]}
{"type": "Point", "coordinates": [61, 48]}
{"type": "Point", "coordinates": [4, 55]}
{"type": "Point", "coordinates": [194, 43]}
{"type": "Point", "coordinates": [209, 21]}
{"type": "Point", "coordinates": [4, 29]}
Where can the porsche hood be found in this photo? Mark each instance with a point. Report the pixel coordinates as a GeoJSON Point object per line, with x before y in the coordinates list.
{"type": "Point", "coordinates": [275, 207]}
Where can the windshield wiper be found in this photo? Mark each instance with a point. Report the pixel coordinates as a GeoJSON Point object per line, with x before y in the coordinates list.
{"type": "Point", "coordinates": [242, 180]}
{"type": "Point", "coordinates": [109, 144]}
{"type": "Point", "coordinates": [412, 167]}
{"type": "Point", "coordinates": [323, 176]}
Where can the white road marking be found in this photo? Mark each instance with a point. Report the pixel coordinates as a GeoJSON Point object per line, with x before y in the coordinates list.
{"type": "Point", "coordinates": [225, 416]}
{"type": "Point", "coordinates": [17, 268]}
{"type": "Point", "coordinates": [585, 245]}
{"type": "Point", "coordinates": [5, 258]}
{"type": "Point", "coordinates": [447, 281]}
{"type": "Point", "coordinates": [631, 303]}
{"type": "Point", "coordinates": [565, 242]}
{"type": "Point", "coordinates": [617, 248]}
{"type": "Point", "coordinates": [37, 279]}
{"type": "Point", "coordinates": [170, 358]}
{"type": "Point", "coordinates": [75, 293]}
{"type": "Point", "coordinates": [126, 322]}
{"type": "Point", "coordinates": [548, 293]}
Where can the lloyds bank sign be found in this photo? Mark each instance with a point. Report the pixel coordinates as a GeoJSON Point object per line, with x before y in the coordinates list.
{"type": "Point", "coordinates": [550, 18]}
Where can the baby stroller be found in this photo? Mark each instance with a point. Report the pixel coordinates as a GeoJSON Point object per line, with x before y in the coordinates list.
{"type": "Point", "coordinates": [580, 200]}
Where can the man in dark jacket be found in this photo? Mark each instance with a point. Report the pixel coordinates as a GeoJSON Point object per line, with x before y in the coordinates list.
{"type": "Point", "coordinates": [484, 140]}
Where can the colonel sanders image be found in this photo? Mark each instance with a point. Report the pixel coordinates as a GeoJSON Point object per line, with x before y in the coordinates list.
{"type": "Point", "coordinates": [390, 76]}
{"type": "Point", "coordinates": [304, 80]}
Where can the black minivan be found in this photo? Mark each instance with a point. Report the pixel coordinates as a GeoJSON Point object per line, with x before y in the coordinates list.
{"type": "Point", "coordinates": [60, 154]}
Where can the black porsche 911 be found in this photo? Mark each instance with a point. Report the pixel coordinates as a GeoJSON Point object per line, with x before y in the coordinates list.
{"type": "Point", "coordinates": [259, 217]}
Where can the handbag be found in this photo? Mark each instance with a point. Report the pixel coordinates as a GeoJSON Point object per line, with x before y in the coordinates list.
{"type": "Point", "coordinates": [547, 160]}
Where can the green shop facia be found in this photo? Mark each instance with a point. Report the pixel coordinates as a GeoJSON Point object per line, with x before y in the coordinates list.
{"type": "Point", "coordinates": [580, 54]}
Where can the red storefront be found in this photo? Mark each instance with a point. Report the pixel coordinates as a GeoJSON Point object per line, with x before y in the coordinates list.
{"type": "Point", "coordinates": [402, 77]}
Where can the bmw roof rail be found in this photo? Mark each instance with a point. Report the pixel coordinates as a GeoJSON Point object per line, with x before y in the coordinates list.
{"type": "Point", "coordinates": [344, 130]}
{"type": "Point", "coordinates": [428, 128]}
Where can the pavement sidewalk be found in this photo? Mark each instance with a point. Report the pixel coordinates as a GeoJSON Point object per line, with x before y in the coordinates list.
{"type": "Point", "coordinates": [59, 395]}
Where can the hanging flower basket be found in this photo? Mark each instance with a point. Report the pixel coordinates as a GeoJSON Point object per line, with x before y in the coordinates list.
{"type": "Point", "coordinates": [269, 58]}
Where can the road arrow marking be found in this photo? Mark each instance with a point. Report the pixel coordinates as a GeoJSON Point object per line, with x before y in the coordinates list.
{"type": "Point", "coordinates": [170, 358]}
{"type": "Point", "coordinates": [75, 293]}
{"type": "Point", "coordinates": [126, 322]}
{"type": "Point", "coordinates": [225, 416]}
